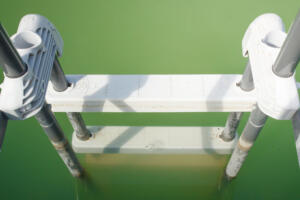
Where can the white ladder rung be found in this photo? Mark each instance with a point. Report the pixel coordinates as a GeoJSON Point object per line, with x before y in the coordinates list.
{"type": "Point", "coordinates": [154, 140]}
{"type": "Point", "coordinates": [152, 93]}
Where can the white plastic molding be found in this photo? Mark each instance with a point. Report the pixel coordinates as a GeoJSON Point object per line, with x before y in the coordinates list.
{"type": "Point", "coordinates": [277, 97]}
{"type": "Point", "coordinates": [37, 41]}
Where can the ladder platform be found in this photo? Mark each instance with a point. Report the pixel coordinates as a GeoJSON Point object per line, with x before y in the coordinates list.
{"type": "Point", "coordinates": [154, 140]}
{"type": "Point", "coordinates": [152, 93]}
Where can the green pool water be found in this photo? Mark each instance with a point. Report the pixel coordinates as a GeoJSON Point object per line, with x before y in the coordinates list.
{"type": "Point", "coordinates": [152, 177]}
{"type": "Point", "coordinates": [148, 37]}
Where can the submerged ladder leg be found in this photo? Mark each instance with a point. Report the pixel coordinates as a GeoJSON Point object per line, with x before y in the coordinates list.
{"type": "Point", "coordinates": [60, 84]}
{"type": "Point", "coordinates": [284, 66]}
{"type": "Point", "coordinates": [54, 132]}
{"type": "Point", "coordinates": [234, 118]}
{"type": "Point", "coordinates": [254, 125]}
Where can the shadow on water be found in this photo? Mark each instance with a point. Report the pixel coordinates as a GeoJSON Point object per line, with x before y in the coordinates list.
{"type": "Point", "coordinates": [225, 188]}
{"type": "Point", "coordinates": [86, 184]}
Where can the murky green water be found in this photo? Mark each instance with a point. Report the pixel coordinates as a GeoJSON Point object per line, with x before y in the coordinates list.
{"type": "Point", "coordinates": [117, 176]}
{"type": "Point", "coordinates": [148, 37]}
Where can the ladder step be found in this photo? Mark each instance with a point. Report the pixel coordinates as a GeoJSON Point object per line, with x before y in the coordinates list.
{"type": "Point", "coordinates": [154, 140]}
{"type": "Point", "coordinates": [152, 93]}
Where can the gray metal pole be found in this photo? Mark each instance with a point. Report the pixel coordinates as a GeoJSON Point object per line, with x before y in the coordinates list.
{"type": "Point", "coordinates": [60, 84]}
{"type": "Point", "coordinates": [234, 118]}
{"type": "Point", "coordinates": [231, 125]}
{"type": "Point", "coordinates": [54, 132]}
{"type": "Point", "coordinates": [79, 127]}
{"type": "Point", "coordinates": [289, 54]}
{"type": "Point", "coordinates": [13, 65]}
{"type": "Point", "coordinates": [3, 125]}
{"type": "Point", "coordinates": [247, 83]}
{"type": "Point", "coordinates": [58, 78]}
{"type": "Point", "coordinates": [296, 127]}
{"type": "Point", "coordinates": [284, 66]}
{"type": "Point", "coordinates": [254, 125]}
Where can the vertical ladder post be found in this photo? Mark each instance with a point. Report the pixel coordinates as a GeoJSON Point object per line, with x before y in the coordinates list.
{"type": "Point", "coordinates": [289, 55]}
{"type": "Point", "coordinates": [254, 125]}
{"type": "Point", "coordinates": [284, 66]}
{"type": "Point", "coordinates": [296, 128]}
{"type": "Point", "coordinates": [60, 84]}
{"type": "Point", "coordinates": [14, 67]}
{"type": "Point", "coordinates": [79, 126]}
{"type": "Point", "coordinates": [234, 118]}
{"type": "Point", "coordinates": [232, 123]}
{"type": "Point", "coordinates": [55, 134]}
{"type": "Point", "coordinates": [246, 83]}
{"type": "Point", "coordinates": [10, 60]}
{"type": "Point", "coordinates": [3, 125]}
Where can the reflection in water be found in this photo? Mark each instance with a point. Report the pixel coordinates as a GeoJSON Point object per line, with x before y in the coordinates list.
{"type": "Point", "coordinates": [122, 176]}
